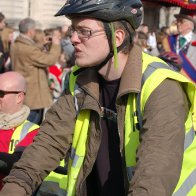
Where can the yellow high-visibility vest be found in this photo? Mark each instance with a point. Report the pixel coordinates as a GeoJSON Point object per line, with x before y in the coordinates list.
{"type": "Point", "coordinates": [155, 71]}
{"type": "Point", "coordinates": [19, 133]}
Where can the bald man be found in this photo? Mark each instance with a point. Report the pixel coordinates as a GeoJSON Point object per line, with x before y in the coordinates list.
{"type": "Point", "coordinates": [16, 132]}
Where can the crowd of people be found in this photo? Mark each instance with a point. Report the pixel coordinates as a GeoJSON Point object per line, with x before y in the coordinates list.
{"type": "Point", "coordinates": [33, 67]}
{"type": "Point", "coordinates": [167, 43]}
{"type": "Point", "coordinates": [42, 57]}
{"type": "Point", "coordinates": [101, 107]}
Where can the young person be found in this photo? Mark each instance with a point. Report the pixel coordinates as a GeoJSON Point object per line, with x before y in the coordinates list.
{"type": "Point", "coordinates": [124, 118]}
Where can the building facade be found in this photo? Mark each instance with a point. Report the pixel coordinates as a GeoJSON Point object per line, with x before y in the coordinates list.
{"type": "Point", "coordinates": [42, 11]}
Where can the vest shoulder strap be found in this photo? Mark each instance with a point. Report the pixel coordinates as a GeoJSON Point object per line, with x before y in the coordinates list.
{"type": "Point", "coordinates": [20, 132]}
{"type": "Point", "coordinates": [155, 73]}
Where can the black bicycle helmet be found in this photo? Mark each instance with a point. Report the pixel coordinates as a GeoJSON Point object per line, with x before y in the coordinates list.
{"type": "Point", "coordinates": [106, 10]}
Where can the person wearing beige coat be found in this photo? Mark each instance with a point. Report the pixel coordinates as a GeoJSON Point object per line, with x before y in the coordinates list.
{"type": "Point", "coordinates": [29, 60]}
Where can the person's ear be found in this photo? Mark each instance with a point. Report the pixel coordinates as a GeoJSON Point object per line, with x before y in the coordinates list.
{"type": "Point", "coordinates": [20, 97]}
{"type": "Point", "coordinates": [120, 36]}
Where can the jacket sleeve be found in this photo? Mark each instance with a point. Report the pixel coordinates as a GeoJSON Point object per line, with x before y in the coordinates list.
{"type": "Point", "coordinates": [159, 157]}
{"type": "Point", "coordinates": [45, 59]}
{"type": "Point", "coordinates": [48, 148]}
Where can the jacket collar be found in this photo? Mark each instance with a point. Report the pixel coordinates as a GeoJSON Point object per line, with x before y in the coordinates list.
{"type": "Point", "coordinates": [25, 39]}
{"type": "Point", "coordinates": [130, 79]}
{"type": "Point", "coordinates": [132, 74]}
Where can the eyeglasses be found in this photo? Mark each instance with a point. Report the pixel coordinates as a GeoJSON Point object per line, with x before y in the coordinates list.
{"type": "Point", "coordinates": [3, 93]}
{"type": "Point", "coordinates": [84, 33]}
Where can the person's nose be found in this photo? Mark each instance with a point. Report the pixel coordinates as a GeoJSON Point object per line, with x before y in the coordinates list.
{"type": "Point", "coordinates": [75, 38]}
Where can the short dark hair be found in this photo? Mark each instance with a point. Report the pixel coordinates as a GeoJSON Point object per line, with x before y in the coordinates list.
{"type": "Point", "coordinates": [1, 16]}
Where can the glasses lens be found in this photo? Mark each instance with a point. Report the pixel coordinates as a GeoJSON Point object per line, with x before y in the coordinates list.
{"type": "Point", "coordinates": [84, 33]}
{"type": "Point", "coordinates": [2, 93]}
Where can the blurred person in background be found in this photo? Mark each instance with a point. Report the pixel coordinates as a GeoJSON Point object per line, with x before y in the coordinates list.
{"type": "Point", "coordinates": [32, 62]}
{"type": "Point", "coordinates": [141, 40]}
{"type": "Point", "coordinates": [2, 60]}
{"type": "Point", "coordinates": [48, 36]}
{"type": "Point", "coordinates": [152, 43]}
{"type": "Point", "coordinates": [7, 40]}
{"type": "Point", "coordinates": [180, 48]}
{"type": "Point", "coordinates": [40, 39]}
{"type": "Point", "coordinates": [165, 30]}
{"type": "Point", "coordinates": [151, 39]}
{"type": "Point", "coordinates": [173, 29]}
{"type": "Point", "coordinates": [67, 45]}
{"type": "Point", "coordinates": [160, 36]}
{"type": "Point", "coordinates": [16, 132]}
{"type": "Point", "coordinates": [43, 39]}
{"type": "Point", "coordinates": [144, 28]}
{"type": "Point", "coordinates": [55, 74]}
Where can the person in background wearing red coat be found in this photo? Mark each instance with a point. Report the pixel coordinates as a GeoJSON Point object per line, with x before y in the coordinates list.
{"type": "Point", "coordinates": [16, 132]}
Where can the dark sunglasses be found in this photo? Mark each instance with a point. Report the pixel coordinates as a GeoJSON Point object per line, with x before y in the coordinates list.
{"type": "Point", "coordinates": [3, 93]}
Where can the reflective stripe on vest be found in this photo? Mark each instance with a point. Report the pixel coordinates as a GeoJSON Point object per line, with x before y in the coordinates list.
{"type": "Point", "coordinates": [54, 184]}
{"type": "Point", "coordinates": [189, 137]}
{"type": "Point", "coordinates": [19, 134]}
{"type": "Point", "coordinates": [187, 186]}
{"type": "Point", "coordinates": [52, 187]}
{"type": "Point", "coordinates": [78, 150]}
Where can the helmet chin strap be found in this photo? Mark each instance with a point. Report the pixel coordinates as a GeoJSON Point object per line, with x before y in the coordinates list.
{"type": "Point", "coordinates": [112, 44]}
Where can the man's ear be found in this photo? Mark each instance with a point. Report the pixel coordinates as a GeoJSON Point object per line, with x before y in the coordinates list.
{"type": "Point", "coordinates": [120, 36]}
{"type": "Point", "coordinates": [20, 97]}
{"type": "Point", "coordinates": [31, 33]}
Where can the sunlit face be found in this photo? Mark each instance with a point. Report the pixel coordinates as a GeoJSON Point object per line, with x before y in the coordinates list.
{"type": "Point", "coordinates": [90, 42]}
{"type": "Point", "coordinates": [2, 24]}
{"type": "Point", "coordinates": [8, 103]}
{"type": "Point", "coordinates": [184, 26]}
